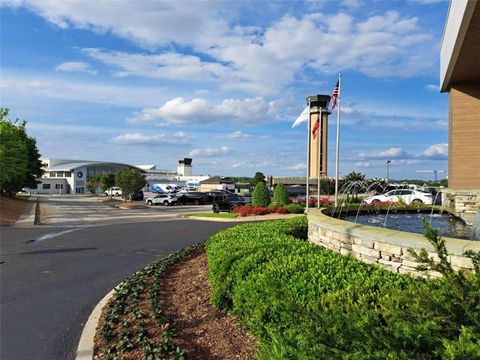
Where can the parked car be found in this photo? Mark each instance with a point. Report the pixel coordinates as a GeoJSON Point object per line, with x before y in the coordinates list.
{"type": "Point", "coordinates": [115, 191]}
{"type": "Point", "coordinates": [418, 197]}
{"type": "Point", "coordinates": [164, 199]}
{"type": "Point", "coordinates": [247, 197]}
{"type": "Point", "coordinates": [137, 195]}
{"type": "Point", "coordinates": [210, 195]}
{"type": "Point", "coordinates": [227, 202]}
{"type": "Point", "coordinates": [191, 197]}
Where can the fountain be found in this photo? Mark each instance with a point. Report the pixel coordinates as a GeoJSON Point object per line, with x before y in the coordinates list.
{"type": "Point", "coordinates": [406, 219]}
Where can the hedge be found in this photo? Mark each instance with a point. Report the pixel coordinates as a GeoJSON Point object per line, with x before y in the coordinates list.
{"type": "Point", "coordinates": [303, 301]}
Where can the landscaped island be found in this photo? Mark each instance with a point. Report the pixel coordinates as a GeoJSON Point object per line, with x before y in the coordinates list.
{"type": "Point", "coordinates": [303, 301]}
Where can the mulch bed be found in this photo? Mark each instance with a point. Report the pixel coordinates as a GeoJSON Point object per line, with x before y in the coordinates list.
{"type": "Point", "coordinates": [130, 206]}
{"type": "Point", "coordinates": [11, 209]}
{"type": "Point", "coordinates": [202, 331]}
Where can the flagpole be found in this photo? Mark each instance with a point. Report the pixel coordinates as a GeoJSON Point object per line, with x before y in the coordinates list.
{"type": "Point", "coordinates": [308, 156]}
{"type": "Point", "coordinates": [338, 139]}
{"type": "Point", "coordinates": [319, 157]}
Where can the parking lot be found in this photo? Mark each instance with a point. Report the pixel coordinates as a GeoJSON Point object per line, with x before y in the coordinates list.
{"type": "Point", "coordinates": [71, 210]}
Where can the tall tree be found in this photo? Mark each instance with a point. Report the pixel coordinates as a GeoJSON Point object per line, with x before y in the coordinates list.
{"type": "Point", "coordinates": [259, 177]}
{"type": "Point", "coordinates": [280, 195]}
{"type": "Point", "coordinates": [108, 181]}
{"type": "Point", "coordinates": [261, 195]}
{"type": "Point", "coordinates": [93, 183]}
{"type": "Point", "coordinates": [356, 181]}
{"type": "Point", "coordinates": [20, 164]}
{"type": "Point", "coordinates": [130, 180]}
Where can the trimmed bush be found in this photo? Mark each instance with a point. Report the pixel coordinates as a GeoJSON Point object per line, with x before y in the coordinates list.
{"type": "Point", "coordinates": [294, 208]}
{"type": "Point", "coordinates": [303, 301]}
{"type": "Point", "coordinates": [261, 195]}
{"type": "Point", "coordinates": [253, 210]}
{"type": "Point", "coordinates": [280, 195]}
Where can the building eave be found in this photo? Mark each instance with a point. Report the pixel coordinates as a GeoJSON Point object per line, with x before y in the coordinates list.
{"type": "Point", "coordinates": [460, 13]}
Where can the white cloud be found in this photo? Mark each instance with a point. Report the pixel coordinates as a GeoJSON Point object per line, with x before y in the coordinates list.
{"type": "Point", "coordinates": [28, 85]}
{"type": "Point", "coordinates": [236, 135]}
{"type": "Point", "coordinates": [363, 164]}
{"type": "Point", "coordinates": [210, 152]}
{"type": "Point", "coordinates": [168, 65]}
{"type": "Point", "coordinates": [259, 60]}
{"type": "Point", "coordinates": [298, 166]}
{"type": "Point", "coordinates": [392, 153]}
{"type": "Point", "coordinates": [427, 2]}
{"type": "Point", "coordinates": [148, 23]}
{"type": "Point", "coordinates": [140, 138]}
{"type": "Point", "coordinates": [76, 66]}
{"type": "Point", "coordinates": [436, 152]}
{"type": "Point", "coordinates": [399, 155]}
{"type": "Point", "coordinates": [200, 111]}
{"type": "Point", "coordinates": [240, 164]}
{"type": "Point", "coordinates": [432, 87]}
{"type": "Point", "coordinates": [352, 4]}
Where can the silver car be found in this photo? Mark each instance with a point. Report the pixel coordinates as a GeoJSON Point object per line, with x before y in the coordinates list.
{"type": "Point", "coordinates": [163, 199]}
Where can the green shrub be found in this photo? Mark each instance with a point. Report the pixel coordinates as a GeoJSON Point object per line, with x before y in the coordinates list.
{"type": "Point", "coordinates": [280, 195]}
{"type": "Point", "coordinates": [294, 208]}
{"type": "Point", "coordinates": [261, 195]}
{"type": "Point", "coordinates": [303, 301]}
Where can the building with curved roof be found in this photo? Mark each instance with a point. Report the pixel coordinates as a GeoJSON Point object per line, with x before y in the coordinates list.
{"type": "Point", "coordinates": [64, 176]}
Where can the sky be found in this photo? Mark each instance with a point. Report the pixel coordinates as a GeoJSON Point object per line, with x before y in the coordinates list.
{"type": "Point", "coordinates": [150, 82]}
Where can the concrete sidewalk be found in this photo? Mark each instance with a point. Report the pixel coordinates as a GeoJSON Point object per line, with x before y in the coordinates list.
{"type": "Point", "coordinates": [28, 216]}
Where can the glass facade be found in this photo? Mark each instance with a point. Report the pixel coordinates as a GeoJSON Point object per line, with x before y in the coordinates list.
{"type": "Point", "coordinates": [104, 169]}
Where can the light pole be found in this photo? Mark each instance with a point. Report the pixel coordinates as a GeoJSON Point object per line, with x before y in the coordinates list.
{"type": "Point", "coordinates": [388, 168]}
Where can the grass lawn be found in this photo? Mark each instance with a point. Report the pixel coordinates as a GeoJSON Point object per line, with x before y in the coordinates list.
{"type": "Point", "coordinates": [22, 197]}
{"type": "Point", "coordinates": [213, 215]}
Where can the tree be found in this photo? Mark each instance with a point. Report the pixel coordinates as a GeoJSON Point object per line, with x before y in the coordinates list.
{"type": "Point", "coordinates": [356, 179]}
{"type": "Point", "coordinates": [108, 181]}
{"type": "Point", "coordinates": [130, 180]}
{"type": "Point", "coordinates": [259, 177]}
{"type": "Point", "coordinates": [261, 195]}
{"type": "Point", "coordinates": [93, 183]}
{"type": "Point", "coordinates": [20, 164]}
{"type": "Point", "coordinates": [280, 195]}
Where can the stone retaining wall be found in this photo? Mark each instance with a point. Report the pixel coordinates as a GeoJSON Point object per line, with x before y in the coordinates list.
{"type": "Point", "coordinates": [463, 203]}
{"type": "Point", "coordinates": [385, 247]}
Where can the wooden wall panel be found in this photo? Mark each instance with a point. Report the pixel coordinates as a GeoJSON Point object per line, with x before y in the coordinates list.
{"type": "Point", "coordinates": [464, 136]}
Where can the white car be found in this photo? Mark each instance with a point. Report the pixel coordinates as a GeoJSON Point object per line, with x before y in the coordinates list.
{"type": "Point", "coordinates": [408, 196]}
{"type": "Point", "coordinates": [115, 191]}
{"type": "Point", "coordinates": [164, 199]}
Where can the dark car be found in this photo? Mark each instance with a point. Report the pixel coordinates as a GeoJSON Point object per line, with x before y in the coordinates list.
{"type": "Point", "coordinates": [227, 202]}
{"type": "Point", "coordinates": [137, 195]}
{"type": "Point", "coordinates": [192, 197]}
{"type": "Point", "coordinates": [210, 195]}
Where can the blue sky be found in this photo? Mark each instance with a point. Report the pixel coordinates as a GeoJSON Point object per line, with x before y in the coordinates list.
{"type": "Point", "coordinates": [222, 82]}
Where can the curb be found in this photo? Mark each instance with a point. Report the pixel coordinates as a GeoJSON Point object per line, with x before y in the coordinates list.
{"type": "Point", "coordinates": [241, 219]}
{"type": "Point", "coordinates": [86, 343]}
{"type": "Point", "coordinates": [37, 220]}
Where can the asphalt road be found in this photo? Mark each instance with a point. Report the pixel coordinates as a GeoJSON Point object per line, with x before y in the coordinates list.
{"type": "Point", "coordinates": [50, 286]}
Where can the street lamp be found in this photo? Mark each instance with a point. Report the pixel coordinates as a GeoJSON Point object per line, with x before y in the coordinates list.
{"type": "Point", "coordinates": [388, 168]}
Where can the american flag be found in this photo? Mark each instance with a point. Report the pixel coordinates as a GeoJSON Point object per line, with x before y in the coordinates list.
{"type": "Point", "coordinates": [335, 93]}
{"type": "Point", "coordinates": [315, 129]}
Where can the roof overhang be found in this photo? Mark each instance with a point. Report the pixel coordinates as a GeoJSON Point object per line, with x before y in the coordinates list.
{"type": "Point", "coordinates": [460, 50]}
{"type": "Point", "coordinates": [76, 165]}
